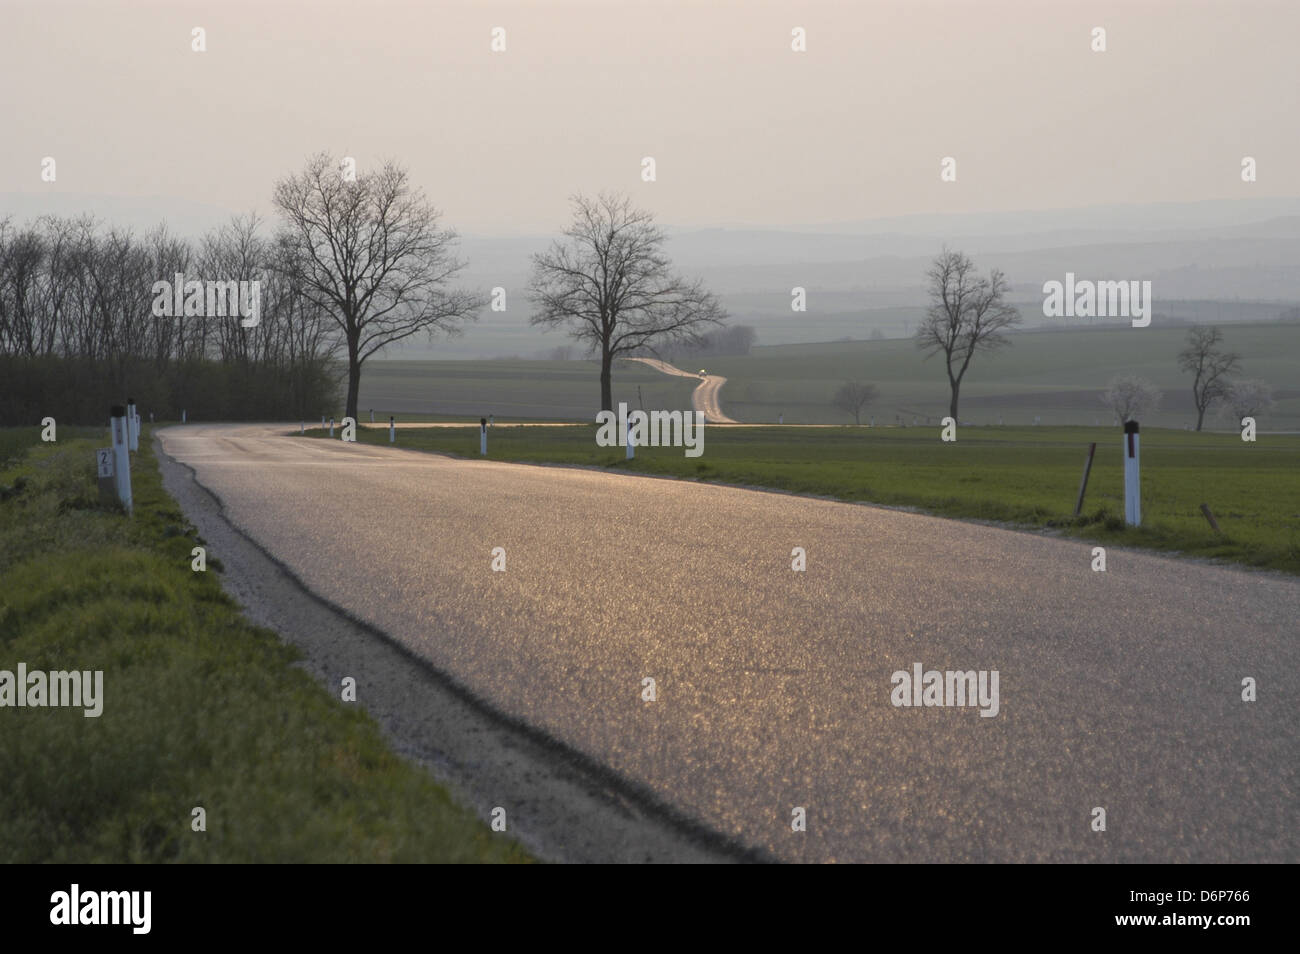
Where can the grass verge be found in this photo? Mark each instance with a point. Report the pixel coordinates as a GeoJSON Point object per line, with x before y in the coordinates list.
{"type": "Point", "coordinates": [200, 708]}
{"type": "Point", "coordinates": [1028, 476]}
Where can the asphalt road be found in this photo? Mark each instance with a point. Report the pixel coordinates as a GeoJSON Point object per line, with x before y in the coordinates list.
{"type": "Point", "coordinates": [1119, 690]}
{"type": "Point", "coordinates": [705, 397]}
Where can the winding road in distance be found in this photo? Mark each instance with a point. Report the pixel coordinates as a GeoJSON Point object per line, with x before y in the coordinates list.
{"type": "Point", "coordinates": [1119, 690]}
{"type": "Point", "coordinates": [705, 397]}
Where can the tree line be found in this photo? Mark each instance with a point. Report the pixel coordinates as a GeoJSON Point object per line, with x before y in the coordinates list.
{"type": "Point", "coordinates": [359, 261]}
{"type": "Point", "coordinates": [78, 330]}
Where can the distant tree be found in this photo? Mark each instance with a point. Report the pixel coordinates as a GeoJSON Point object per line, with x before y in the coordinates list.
{"type": "Point", "coordinates": [967, 314]}
{"type": "Point", "coordinates": [876, 335]}
{"type": "Point", "coordinates": [731, 340]}
{"type": "Point", "coordinates": [1131, 397]}
{"type": "Point", "coordinates": [1210, 366]}
{"type": "Point", "coordinates": [612, 286]}
{"type": "Point", "coordinates": [1247, 398]}
{"type": "Point", "coordinates": [852, 397]}
{"type": "Point", "coordinates": [371, 254]}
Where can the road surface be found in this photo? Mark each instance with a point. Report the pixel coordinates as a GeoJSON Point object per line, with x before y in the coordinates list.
{"type": "Point", "coordinates": [705, 397]}
{"type": "Point", "coordinates": [1119, 690]}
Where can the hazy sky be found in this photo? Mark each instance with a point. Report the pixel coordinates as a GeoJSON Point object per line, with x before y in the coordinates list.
{"type": "Point", "coordinates": [743, 130]}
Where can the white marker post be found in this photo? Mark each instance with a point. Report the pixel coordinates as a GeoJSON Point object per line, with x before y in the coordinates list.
{"type": "Point", "coordinates": [372, 415]}
{"type": "Point", "coordinates": [132, 426]}
{"type": "Point", "coordinates": [182, 415]}
{"type": "Point", "coordinates": [302, 427]}
{"type": "Point", "coordinates": [482, 436]}
{"type": "Point", "coordinates": [392, 430]}
{"type": "Point", "coordinates": [1132, 476]}
{"type": "Point", "coordinates": [322, 422]}
{"type": "Point", "coordinates": [630, 452]}
{"type": "Point", "coordinates": [121, 457]}
{"type": "Point", "coordinates": [331, 427]}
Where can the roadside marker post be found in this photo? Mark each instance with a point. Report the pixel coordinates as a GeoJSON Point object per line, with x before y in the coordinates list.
{"type": "Point", "coordinates": [302, 427]}
{"type": "Point", "coordinates": [630, 451]}
{"type": "Point", "coordinates": [322, 422]}
{"type": "Point", "coordinates": [182, 415]}
{"type": "Point", "coordinates": [121, 457]}
{"type": "Point", "coordinates": [392, 430]}
{"type": "Point", "coordinates": [104, 474]}
{"type": "Point", "coordinates": [331, 427]}
{"type": "Point", "coordinates": [372, 415]}
{"type": "Point", "coordinates": [482, 436]}
{"type": "Point", "coordinates": [132, 426]}
{"type": "Point", "coordinates": [1132, 475]}
{"type": "Point", "coordinates": [1083, 484]}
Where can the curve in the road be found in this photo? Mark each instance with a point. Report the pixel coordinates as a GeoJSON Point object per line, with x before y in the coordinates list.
{"type": "Point", "coordinates": [705, 396]}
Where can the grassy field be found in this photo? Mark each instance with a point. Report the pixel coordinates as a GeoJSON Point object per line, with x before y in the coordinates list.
{"type": "Point", "coordinates": [1053, 375]}
{"type": "Point", "coordinates": [1028, 476]}
{"type": "Point", "coordinates": [200, 708]}
{"type": "Point", "coordinates": [540, 390]}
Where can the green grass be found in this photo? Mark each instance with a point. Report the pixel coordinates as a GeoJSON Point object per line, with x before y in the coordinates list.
{"type": "Point", "coordinates": [508, 389]}
{"type": "Point", "coordinates": [200, 707]}
{"type": "Point", "coordinates": [1053, 375]}
{"type": "Point", "coordinates": [1027, 476]}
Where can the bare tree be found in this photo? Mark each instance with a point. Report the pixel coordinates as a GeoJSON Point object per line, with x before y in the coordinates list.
{"type": "Point", "coordinates": [1131, 397]}
{"type": "Point", "coordinates": [370, 253]}
{"type": "Point", "coordinates": [1204, 358]}
{"type": "Point", "coordinates": [611, 285]}
{"type": "Point", "coordinates": [967, 314]}
{"type": "Point", "coordinates": [1248, 398]}
{"type": "Point", "coordinates": [852, 397]}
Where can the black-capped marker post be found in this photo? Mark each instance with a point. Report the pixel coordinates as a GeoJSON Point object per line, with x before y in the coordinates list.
{"type": "Point", "coordinates": [1132, 476]}
{"type": "Point", "coordinates": [482, 436]}
{"type": "Point", "coordinates": [392, 430]}
{"type": "Point", "coordinates": [132, 426]}
{"type": "Point", "coordinates": [118, 427]}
